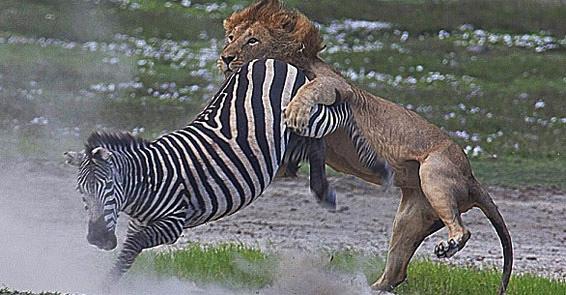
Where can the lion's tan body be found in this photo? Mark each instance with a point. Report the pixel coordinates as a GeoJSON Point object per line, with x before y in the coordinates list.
{"type": "Point", "coordinates": [432, 171]}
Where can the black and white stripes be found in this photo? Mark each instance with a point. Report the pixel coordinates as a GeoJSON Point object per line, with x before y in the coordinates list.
{"type": "Point", "coordinates": [212, 168]}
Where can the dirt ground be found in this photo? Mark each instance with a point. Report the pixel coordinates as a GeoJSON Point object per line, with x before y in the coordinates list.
{"type": "Point", "coordinates": [288, 217]}
{"type": "Point", "coordinates": [43, 226]}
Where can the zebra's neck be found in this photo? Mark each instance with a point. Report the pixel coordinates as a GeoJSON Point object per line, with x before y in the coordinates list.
{"type": "Point", "coordinates": [133, 177]}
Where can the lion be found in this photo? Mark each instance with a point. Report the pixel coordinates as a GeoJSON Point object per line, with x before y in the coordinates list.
{"type": "Point", "coordinates": [432, 171]}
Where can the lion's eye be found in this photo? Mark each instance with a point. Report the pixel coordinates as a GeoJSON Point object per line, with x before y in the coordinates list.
{"type": "Point", "coordinates": [231, 38]}
{"type": "Point", "coordinates": [253, 41]}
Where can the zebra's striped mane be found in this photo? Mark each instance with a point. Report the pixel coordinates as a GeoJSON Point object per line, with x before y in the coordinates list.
{"type": "Point", "coordinates": [113, 141]}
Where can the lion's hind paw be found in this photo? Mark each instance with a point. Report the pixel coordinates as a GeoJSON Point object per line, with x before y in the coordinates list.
{"type": "Point", "coordinates": [446, 249]}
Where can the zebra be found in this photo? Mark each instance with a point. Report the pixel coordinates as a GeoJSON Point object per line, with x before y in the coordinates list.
{"type": "Point", "coordinates": [213, 167]}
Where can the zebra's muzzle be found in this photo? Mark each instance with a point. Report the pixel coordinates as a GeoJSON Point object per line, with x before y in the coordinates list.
{"type": "Point", "coordinates": [99, 236]}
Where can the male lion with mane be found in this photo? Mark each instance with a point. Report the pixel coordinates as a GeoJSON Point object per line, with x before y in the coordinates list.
{"type": "Point", "coordinates": [433, 172]}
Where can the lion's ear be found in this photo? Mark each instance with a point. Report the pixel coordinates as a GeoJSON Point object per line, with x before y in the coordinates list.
{"type": "Point", "coordinates": [289, 25]}
{"type": "Point", "coordinates": [288, 22]}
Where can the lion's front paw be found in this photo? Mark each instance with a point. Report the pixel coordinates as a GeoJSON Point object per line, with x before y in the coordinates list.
{"type": "Point", "coordinates": [297, 115]}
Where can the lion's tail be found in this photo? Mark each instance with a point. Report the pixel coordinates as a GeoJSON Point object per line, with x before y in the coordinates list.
{"type": "Point", "coordinates": [488, 207]}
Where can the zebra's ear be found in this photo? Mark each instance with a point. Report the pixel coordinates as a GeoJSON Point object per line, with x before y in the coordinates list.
{"type": "Point", "coordinates": [101, 153]}
{"type": "Point", "coordinates": [74, 158]}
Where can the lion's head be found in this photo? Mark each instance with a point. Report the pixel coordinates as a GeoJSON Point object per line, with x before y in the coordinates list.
{"type": "Point", "coordinates": [266, 29]}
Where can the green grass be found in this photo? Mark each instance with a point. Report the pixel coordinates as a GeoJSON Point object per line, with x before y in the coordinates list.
{"type": "Point", "coordinates": [87, 21]}
{"type": "Point", "coordinates": [517, 172]}
{"type": "Point", "coordinates": [427, 277]}
{"type": "Point", "coordinates": [231, 265]}
{"type": "Point", "coordinates": [432, 16]}
{"type": "Point", "coordinates": [240, 267]}
{"type": "Point", "coordinates": [80, 20]}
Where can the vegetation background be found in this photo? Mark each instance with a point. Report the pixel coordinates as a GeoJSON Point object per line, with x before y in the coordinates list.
{"type": "Point", "coordinates": [491, 73]}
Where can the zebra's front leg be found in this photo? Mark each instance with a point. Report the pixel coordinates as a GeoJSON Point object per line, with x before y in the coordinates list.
{"type": "Point", "coordinates": [164, 231]}
{"type": "Point", "coordinates": [325, 194]}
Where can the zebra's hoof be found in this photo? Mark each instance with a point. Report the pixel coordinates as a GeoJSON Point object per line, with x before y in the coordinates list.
{"type": "Point", "coordinates": [329, 201]}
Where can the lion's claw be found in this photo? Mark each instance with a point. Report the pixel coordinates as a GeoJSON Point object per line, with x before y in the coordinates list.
{"type": "Point", "coordinates": [446, 249]}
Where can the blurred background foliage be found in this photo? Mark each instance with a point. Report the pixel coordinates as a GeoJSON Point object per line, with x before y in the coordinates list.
{"type": "Point", "coordinates": [490, 73]}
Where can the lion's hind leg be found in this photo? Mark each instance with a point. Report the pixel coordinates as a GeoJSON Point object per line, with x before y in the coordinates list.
{"type": "Point", "coordinates": [414, 221]}
{"type": "Point", "coordinates": [443, 185]}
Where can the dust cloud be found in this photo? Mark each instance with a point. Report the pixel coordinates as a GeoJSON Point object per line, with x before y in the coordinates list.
{"type": "Point", "coordinates": [302, 273]}
{"type": "Point", "coordinates": [43, 246]}
{"type": "Point", "coordinates": [42, 236]}
{"type": "Point", "coordinates": [43, 243]}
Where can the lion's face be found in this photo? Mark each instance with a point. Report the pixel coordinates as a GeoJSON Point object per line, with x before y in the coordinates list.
{"type": "Point", "coordinates": [246, 43]}
{"type": "Point", "coordinates": [266, 29]}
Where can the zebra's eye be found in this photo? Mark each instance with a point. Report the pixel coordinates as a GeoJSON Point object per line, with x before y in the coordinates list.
{"type": "Point", "coordinates": [253, 41]}
{"type": "Point", "coordinates": [86, 207]}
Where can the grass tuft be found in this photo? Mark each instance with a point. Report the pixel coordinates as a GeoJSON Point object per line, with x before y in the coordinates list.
{"type": "Point", "coordinates": [231, 265]}
{"type": "Point", "coordinates": [426, 277]}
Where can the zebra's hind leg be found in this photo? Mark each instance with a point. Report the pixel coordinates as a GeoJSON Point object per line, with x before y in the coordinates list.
{"type": "Point", "coordinates": [324, 193]}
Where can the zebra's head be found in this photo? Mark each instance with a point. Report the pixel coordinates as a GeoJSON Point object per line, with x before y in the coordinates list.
{"type": "Point", "coordinates": [97, 184]}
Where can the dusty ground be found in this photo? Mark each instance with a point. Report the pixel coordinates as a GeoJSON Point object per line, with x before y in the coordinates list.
{"type": "Point", "coordinates": [43, 245]}
{"type": "Point", "coordinates": [288, 217]}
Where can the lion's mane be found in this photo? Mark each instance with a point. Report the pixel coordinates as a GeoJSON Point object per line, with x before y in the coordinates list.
{"type": "Point", "coordinates": [285, 24]}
